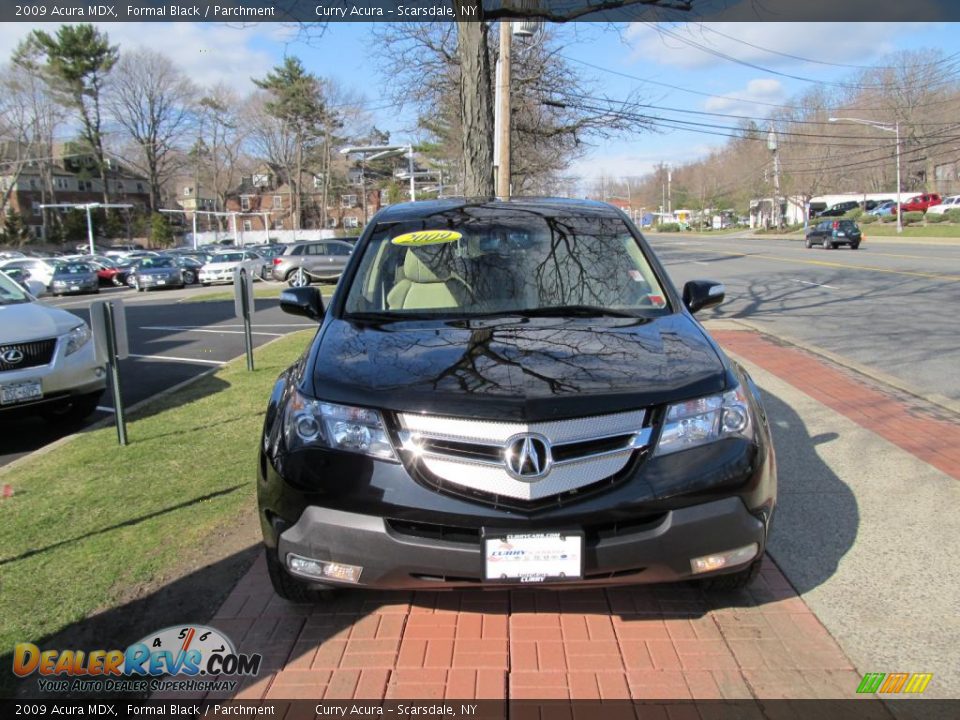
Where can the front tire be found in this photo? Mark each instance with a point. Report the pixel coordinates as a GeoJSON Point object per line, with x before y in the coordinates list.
{"type": "Point", "coordinates": [298, 278]}
{"type": "Point", "coordinates": [809, 244]}
{"type": "Point", "coordinates": [289, 587]}
{"type": "Point", "coordinates": [827, 245]}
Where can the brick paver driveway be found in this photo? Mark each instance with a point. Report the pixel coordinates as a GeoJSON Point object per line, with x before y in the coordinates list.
{"type": "Point", "coordinates": [641, 643]}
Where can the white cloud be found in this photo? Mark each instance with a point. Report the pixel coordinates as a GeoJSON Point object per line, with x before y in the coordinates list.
{"type": "Point", "coordinates": [627, 164]}
{"type": "Point", "coordinates": [744, 101]}
{"type": "Point", "coordinates": [847, 43]}
{"type": "Point", "coordinates": [207, 52]}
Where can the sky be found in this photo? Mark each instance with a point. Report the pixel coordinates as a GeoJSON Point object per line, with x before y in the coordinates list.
{"type": "Point", "coordinates": [655, 61]}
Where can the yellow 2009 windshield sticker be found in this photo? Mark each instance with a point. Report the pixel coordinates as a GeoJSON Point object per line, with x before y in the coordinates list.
{"type": "Point", "coordinates": [427, 237]}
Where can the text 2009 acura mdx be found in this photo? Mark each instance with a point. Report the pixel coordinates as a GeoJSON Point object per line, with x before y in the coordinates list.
{"type": "Point", "coordinates": [511, 392]}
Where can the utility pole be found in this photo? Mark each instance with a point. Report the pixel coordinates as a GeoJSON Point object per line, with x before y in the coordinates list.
{"type": "Point", "coordinates": [669, 190]}
{"type": "Point", "coordinates": [502, 111]}
{"type": "Point", "coordinates": [772, 146]}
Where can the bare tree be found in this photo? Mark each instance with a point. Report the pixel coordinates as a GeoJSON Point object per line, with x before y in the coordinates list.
{"type": "Point", "coordinates": [224, 138]}
{"type": "Point", "coordinates": [151, 100]}
{"type": "Point", "coordinates": [29, 117]}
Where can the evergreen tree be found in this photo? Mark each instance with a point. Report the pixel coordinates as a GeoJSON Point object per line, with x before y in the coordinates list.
{"type": "Point", "coordinates": [76, 63]}
{"type": "Point", "coordinates": [160, 233]}
{"type": "Point", "coordinates": [14, 232]}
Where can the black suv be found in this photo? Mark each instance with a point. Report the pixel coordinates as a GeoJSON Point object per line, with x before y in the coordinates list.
{"type": "Point", "coordinates": [840, 209]}
{"type": "Point", "coordinates": [830, 234]}
{"type": "Point", "coordinates": [511, 393]}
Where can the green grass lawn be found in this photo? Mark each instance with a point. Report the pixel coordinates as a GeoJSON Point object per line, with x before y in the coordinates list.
{"type": "Point", "coordinates": [90, 520]}
{"type": "Point", "coordinates": [919, 231]}
{"type": "Point", "coordinates": [259, 291]}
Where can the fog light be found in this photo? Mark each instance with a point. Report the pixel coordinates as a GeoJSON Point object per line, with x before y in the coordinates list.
{"type": "Point", "coordinates": [708, 563]}
{"type": "Point", "coordinates": [98, 372]}
{"type": "Point", "coordinates": [323, 570]}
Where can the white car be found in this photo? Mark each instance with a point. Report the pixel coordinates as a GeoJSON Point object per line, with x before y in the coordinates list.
{"type": "Point", "coordinates": [40, 269]}
{"type": "Point", "coordinates": [949, 203]}
{"type": "Point", "coordinates": [221, 266]}
{"type": "Point", "coordinates": [48, 360]}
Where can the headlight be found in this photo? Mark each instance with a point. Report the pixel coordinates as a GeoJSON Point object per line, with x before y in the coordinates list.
{"type": "Point", "coordinates": [704, 420]}
{"type": "Point", "coordinates": [77, 338]}
{"type": "Point", "coordinates": [340, 427]}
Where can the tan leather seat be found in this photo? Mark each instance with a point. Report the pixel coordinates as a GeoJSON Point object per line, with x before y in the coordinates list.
{"type": "Point", "coordinates": [428, 286]}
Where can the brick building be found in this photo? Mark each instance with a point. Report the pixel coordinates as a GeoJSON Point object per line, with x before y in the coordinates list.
{"type": "Point", "coordinates": [75, 181]}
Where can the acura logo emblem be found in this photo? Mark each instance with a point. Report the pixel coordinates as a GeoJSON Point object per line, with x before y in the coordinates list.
{"type": "Point", "coordinates": [528, 457]}
{"type": "Point", "coordinates": [11, 356]}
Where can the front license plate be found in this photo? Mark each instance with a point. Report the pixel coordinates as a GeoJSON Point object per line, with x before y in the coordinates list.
{"type": "Point", "coordinates": [537, 557]}
{"type": "Point", "coordinates": [161, 282]}
{"type": "Point", "coordinates": [74, 288]}
{"type": "Point", "coordinates": [20, 392]}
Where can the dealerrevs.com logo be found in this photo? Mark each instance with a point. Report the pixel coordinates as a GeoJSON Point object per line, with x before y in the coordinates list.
{"type": "Point", "coordinates": [187, 658]}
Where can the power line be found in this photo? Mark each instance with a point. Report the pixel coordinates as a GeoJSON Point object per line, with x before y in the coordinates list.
{"type": "Point", "coordinates": [724, 56]}
{"type": "Point", "coordinates": [811, 60]}
{"type": "Point", "coordinates": [730, 98]}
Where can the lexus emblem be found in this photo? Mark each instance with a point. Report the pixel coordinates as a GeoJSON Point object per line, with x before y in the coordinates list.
{"type": "Point", "coordinates": [11, 356]}
{"type": "Point", "coordinates": [528, 457]}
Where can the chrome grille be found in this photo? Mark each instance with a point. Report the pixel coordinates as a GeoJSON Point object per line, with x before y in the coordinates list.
{"type": "Point", "coordinates": [472, 454]}
{"type": "Point", "coordinates": [31, 354]}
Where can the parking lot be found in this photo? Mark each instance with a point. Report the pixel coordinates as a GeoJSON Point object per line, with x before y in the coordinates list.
{"type": "Point", "coordinates": [172, 337]}
{"type": "Point", "coordinates": [856, 361]}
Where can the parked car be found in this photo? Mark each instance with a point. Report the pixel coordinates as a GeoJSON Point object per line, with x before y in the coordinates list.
{"type": "Point", "coordinates": [886, 208]}
{"type": "Point", "coordinates": [162, 271]}
{"type": "Point", "coordinates": [920, 203]}
{"type": "Point", "coordinates": [830, 234]}
{"type": "Point", "coordinates": [507, 393]}
{"type": "Point", "coordinates": [951, 202]}
{"type": "Point", "coordinates": [126, 271]}
{"type": "Point", "coordinates": [221, 266]}
{"type": "Point", "coordinates": [48, 364]}
{"type": "Point", "coordinates": [40, 269]}
{"type": "Point", "coordinates": [840, 209]}
{"type": "Point", "coordinates": [74, 278]}
{"type": "Point", "coordinates": [268, 253]}
{"type": "Point", "coordinates": [19, 276]}
{"type": "Point", "coordinates": [870, 205]}
{"type": "Point", "coordinates": [305, 262]}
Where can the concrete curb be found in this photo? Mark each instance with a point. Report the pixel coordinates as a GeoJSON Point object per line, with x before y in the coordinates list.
{"type": "Point", "coordinates": [942, 402]}
{"type": "Point", "coordinates": [107, 421]}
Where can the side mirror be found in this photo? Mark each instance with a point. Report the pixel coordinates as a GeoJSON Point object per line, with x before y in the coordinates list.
{"type": "Point", "coordinates": [305, 301]}
{"type": "Point", "coordinates": [700, 294]}
{"type": "Point", "coordinates": [36, 288]}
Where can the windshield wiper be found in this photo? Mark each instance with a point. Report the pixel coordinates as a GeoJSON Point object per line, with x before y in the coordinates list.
{"type": "Point", "coordinates": [375, 317]}
{"type": "Point", "coordinates": [574, 311]}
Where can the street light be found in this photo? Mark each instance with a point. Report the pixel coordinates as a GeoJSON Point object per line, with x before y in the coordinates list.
{"type": "Point", "coordinates": [895, 128]}
{"type": "Point", "coordinates": [88, 207]}
{"type": "Point", "coordinates": [379, 152]}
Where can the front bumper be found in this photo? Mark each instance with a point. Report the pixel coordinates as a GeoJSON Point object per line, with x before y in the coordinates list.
{"type": "Point", "coordinates": [395, 559]}
{"type": "Point", "coordinates": [63, 378]}
{"type": "Point", "coordinates": [74, 289]}
{"type": "Point", "coordinates": [152, 281]}
{"type": "Point", "coordinates": [216, 277]}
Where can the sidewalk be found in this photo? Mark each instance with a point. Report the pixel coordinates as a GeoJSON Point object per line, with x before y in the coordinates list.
{"type": "Point", "coordinates": [859, 579]}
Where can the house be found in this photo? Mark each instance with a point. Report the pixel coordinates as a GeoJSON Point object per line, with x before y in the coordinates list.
{"type": "Point", "coordinates": [75, 181]}
{"type": "Point", "coordinates": [192, 196]}
{"type": "Point", "coordinates": [264, 200]}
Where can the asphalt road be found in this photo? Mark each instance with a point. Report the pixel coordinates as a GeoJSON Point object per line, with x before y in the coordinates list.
{"type": "Point", "coordinates": [170, 341]}
{"type": "Point", "coordinates": [890, 307]}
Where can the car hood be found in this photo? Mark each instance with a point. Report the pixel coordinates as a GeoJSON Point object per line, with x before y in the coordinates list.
{"type": "Point", "coordinates": [220, 265]}
{"type": "Point", "coordinates": [25, 322]}
{"type": "Point", "coordinates": [157, 271]}
{"type": "Point", "coordinates": [517, 369]}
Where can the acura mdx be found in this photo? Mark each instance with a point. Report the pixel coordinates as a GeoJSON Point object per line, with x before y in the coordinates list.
{"type": "Point", "coordinates": [511, 392]}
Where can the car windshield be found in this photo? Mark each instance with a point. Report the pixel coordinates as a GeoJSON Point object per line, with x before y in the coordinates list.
{"type": "Point", "coordinates": [10, 292]}
{"type": "Point", "coordinates": [482, 261]}
{"type": "Point", "coordinates": [151, 263]}
{"type": "Point", "coordinates": [74, 269]}
{"type": "Point", "coordinates": [848, 225]}
{"type": "Point", "coordinates": [228, 257]}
